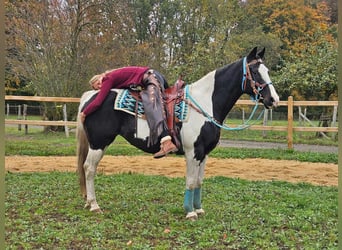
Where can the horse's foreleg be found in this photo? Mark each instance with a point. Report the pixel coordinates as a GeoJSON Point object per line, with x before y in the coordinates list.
{"type": "Point", "coordinates": [198, 189]}
{"type": "Point", "coordinates": [188, 204]}
{"type": "Point", "coordinates": [90, 165]}
{"type": "Point", "coordinates": [194, 178]}
{"type": "Point", "coordinates": [198, 201]}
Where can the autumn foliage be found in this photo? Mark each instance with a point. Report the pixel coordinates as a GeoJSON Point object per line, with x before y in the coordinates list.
{"type": "Point", "coordinates": [54, 47]}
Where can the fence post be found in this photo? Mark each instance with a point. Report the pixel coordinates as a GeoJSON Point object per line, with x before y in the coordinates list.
{"type": "Point", "coordinates": [300, 119]}
{"type": "Point", "coordinates": [8, 110]}
{"type": "Point", "coordinates": [19, 117]}
{"type": "Point", "coordinates": [25, 117]}
{"type": "Point", "coordinates": [65, 115]}
{"type": "Point", "coordinates": [290, 122]}
{"type": "Point", "coordinates": [333, 124]}
{"type": "Point", "coordinates": [264, 132]}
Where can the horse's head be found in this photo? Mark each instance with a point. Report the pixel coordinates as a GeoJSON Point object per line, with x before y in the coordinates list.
{"type": "Point", "coordinates": [256, 80]}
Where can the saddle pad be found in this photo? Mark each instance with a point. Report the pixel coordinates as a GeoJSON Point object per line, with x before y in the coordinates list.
{"type": "Point", "coordinates": [126, 102]}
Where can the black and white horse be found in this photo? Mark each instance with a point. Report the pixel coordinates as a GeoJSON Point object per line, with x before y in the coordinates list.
{"type": "Point", "coordinates": [208, 102]}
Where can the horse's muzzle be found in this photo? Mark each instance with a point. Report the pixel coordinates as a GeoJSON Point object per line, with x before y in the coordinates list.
{"type": "Point", "coordinates": [269, 104]}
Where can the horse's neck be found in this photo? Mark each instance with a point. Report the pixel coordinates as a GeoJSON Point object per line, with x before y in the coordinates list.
{"type": "Point", "coordinates": [219, 90]}
{"type": "Point", "coordinates": [227, 89]}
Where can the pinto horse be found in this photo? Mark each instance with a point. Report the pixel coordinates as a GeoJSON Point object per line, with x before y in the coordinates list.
{"type": "Point", "coordinates": [209, 101]}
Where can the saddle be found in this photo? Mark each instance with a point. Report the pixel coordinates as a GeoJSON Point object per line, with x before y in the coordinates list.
{"type": "Point", "coordinates": [172, 96]}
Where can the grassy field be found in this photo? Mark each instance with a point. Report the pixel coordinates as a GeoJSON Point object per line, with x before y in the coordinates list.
{"type": "Point", "coordinates": [279, 136]}
{"type": "Point", "coordinates": [45, 210]}
{"type": "Point", "coordinates": [56, 143]}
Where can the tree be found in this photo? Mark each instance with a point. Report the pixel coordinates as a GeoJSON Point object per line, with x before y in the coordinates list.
{"type": "Point", "coordinates": [55, 46]}
{"type": "Point", "coordinates": [210, 35]}
{"type": "Point", "coordinates": [294, 22]}
{"type": "Point", "coordinates": [312, 75]}
{"type": "Point", "coordinates": [45, 54]}
{"type": "Point", "coordinates": [48, 43]}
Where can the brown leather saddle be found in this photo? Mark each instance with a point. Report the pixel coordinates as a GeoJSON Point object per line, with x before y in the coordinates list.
{"type": "Point", "coordinates": [172, 96]}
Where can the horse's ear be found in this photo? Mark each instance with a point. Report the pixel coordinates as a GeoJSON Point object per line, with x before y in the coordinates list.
{"type": "Point", "coordinates": [252, 55]}
{"type": "Point", "coordinates": [261, 53]}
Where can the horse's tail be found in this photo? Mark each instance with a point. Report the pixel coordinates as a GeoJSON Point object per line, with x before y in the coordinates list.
{"type": "Point", "coordinates": [82, 152]}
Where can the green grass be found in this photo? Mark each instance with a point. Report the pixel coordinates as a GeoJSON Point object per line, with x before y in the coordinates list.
{"type": "Point", "coordinates": [37, 143]}
{"type": "Point", "coordinates": [28, 117]}
{"type": "Point", "coordinates": [279, 136]}
{"type": "Point", "coordinates": [274, 154]}
{"type": "Point", "coordinates": [45, 211]}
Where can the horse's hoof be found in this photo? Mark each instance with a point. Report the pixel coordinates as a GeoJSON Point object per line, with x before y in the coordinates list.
{"type": "Point", "coordinates": [199, 211]}
{"type": "Point", "coordinates": [192, 216]}
{"type": "Point", "coordinates": [96, 211]}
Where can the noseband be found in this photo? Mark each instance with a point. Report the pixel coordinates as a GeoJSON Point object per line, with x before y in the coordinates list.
{"type": "Point", "coordinates": [256, 86]}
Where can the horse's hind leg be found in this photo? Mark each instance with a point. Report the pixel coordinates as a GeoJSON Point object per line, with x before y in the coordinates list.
{"type": "Point", "coordinates": [90, 165]}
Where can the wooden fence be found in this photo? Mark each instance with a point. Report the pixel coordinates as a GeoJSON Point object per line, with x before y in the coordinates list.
{"type": "Point", "coordinates": [25, 122]}
{"type": "Point", "coordinates": [290, 103]}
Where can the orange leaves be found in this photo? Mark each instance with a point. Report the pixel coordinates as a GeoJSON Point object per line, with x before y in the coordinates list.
{"type": "Point", "coordinates": [294, 22]}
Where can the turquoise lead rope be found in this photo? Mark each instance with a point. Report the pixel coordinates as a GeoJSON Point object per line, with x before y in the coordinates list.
{"type": "Point", "coordinates": [225, 127]}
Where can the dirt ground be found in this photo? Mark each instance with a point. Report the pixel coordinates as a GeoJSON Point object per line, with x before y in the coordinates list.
{"type": "Point", "coordinates": [249, 169]}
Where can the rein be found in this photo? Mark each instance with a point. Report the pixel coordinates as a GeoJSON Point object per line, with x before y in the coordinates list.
{"type": "Point", "coordinates": [246, 76]}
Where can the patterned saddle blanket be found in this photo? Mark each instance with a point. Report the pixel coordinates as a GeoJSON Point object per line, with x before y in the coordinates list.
{"type": "Point", "coordinates": [126, 102]}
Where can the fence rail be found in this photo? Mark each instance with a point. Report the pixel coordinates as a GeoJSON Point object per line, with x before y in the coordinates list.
{"type": "Point", "coordinates": [290, 103]}
{"type": "Point", "coordinates": [42, 99]}
{"type": "Point", "coordinates": [40, 123]}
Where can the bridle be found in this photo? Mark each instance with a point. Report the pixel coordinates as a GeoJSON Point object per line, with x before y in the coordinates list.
{"type": "Point", "coordinates": [247, 76]}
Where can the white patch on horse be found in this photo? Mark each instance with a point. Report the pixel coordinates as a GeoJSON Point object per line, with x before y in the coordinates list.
{"type": "Point", "coordinates": [90, 166]}
{"type": "Point", "coordinates": [143, 130]}
{"type": "Point", "coordinates": [263, 71]}
{"type": "Point", "coordinates": [202, 93]}
{"type": "Point", "coordinates": [274, 94]}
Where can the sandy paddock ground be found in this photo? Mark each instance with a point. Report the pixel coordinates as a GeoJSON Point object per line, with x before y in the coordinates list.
{"type": "Point", "coordinates": [249, 169]}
